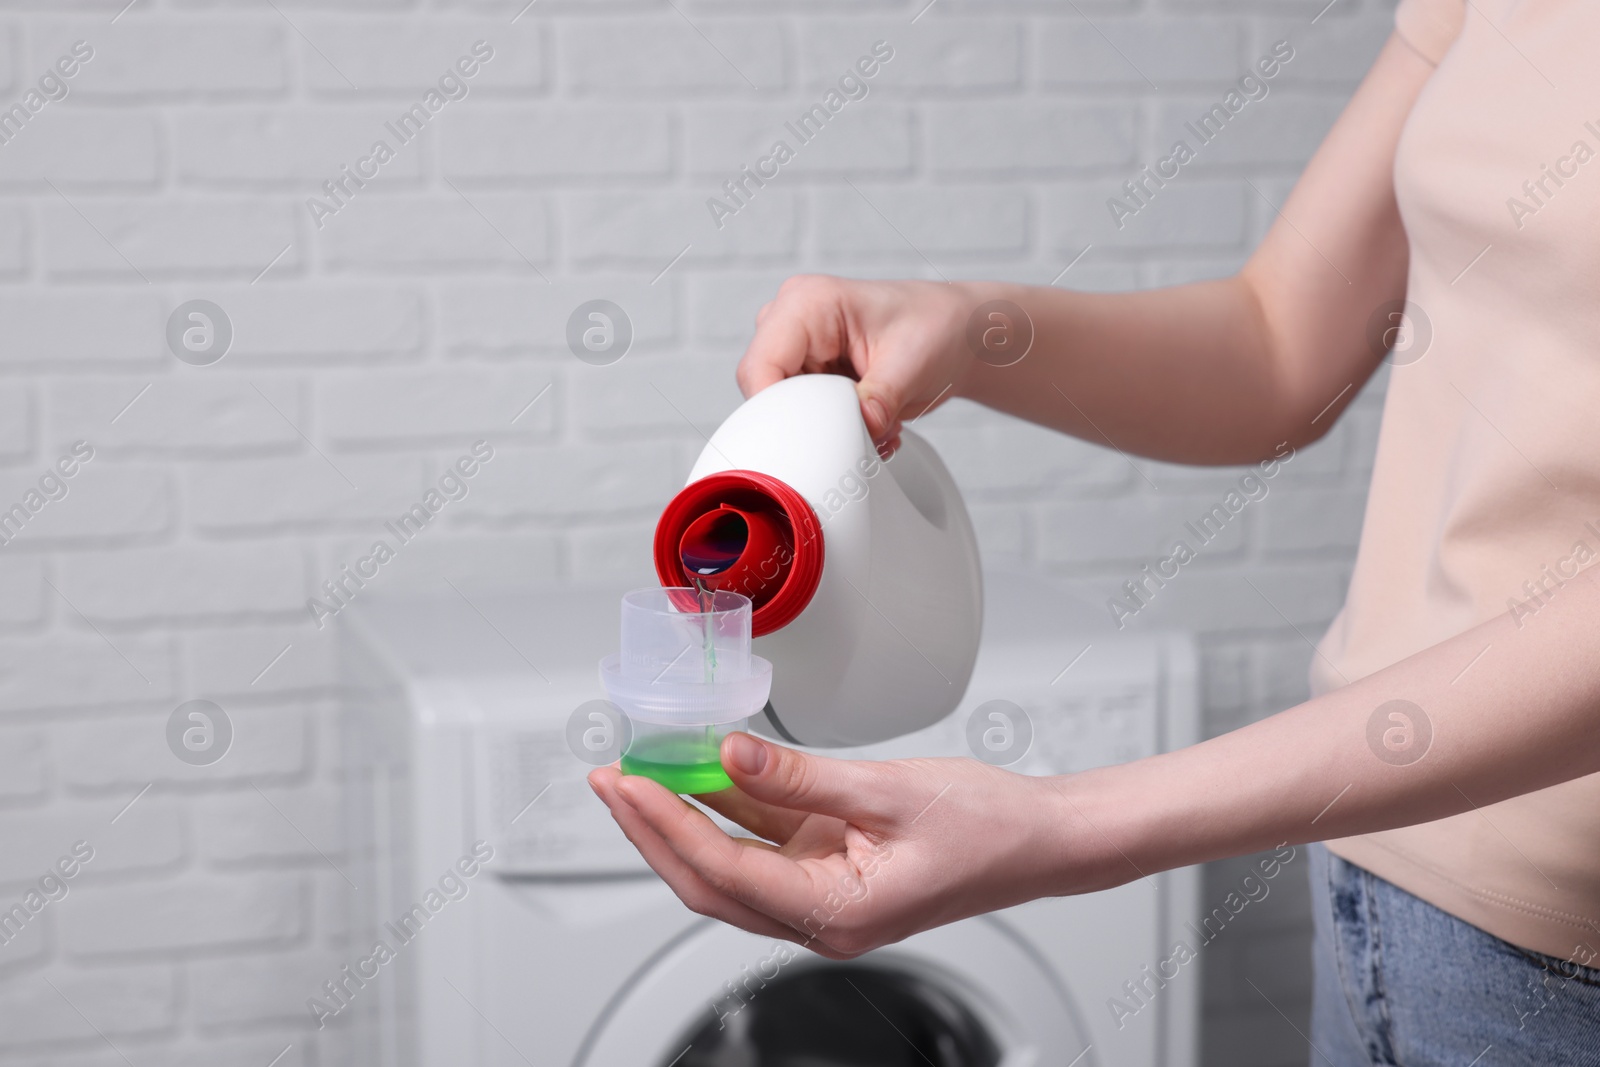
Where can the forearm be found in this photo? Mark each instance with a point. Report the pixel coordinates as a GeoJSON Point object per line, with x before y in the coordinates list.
{"type": "Point", "coordinates": [1220, 372]}
{"type": "Point", "coordinates": [1187, 374]}
{"type": "Point", "coordinates": [1519, 717]}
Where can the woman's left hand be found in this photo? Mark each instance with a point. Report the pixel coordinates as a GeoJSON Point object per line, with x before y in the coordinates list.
{"type": "Point", "coordinates": [858, 854]}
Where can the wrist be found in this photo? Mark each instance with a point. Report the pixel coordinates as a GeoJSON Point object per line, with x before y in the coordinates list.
{"type": "Point", "coordinates": [1092, 847]}
{"type": "Point", "coordinates": [983, 368]}
{"type": "Point", "coordinates": [962, 298]}
{"type": "Point", "coordinates": [1130, 821]}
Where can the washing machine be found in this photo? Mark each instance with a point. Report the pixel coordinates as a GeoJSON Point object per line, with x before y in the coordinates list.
{"type": "Point", "coordinates": [562, 948]}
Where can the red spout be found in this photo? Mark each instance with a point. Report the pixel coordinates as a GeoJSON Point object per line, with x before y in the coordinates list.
{"type": "Point", "coordinates": [747, 533]}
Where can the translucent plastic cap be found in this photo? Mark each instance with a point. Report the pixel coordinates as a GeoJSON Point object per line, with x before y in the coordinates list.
{"type": "Point", "coordinates": [683, 665]}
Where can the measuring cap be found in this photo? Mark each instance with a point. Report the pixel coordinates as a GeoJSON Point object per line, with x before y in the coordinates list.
{"type": "Point", "coordinates": [685, 659]}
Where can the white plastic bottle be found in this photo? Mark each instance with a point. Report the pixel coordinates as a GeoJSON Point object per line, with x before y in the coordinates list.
{"type": "Point", "coordinates": [863, 573]}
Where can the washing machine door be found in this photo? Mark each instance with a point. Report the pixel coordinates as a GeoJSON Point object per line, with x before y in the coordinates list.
{"type": "Point", "coordinates": [972, 994]}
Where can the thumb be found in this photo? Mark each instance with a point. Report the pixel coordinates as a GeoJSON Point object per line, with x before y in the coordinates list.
{"type": "Point", "coordinates": [880, 407]}
{"type": "Point", "coordinates": [800, 781]}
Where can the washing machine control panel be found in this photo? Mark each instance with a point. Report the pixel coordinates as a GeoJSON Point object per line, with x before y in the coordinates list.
{"type": "Point", "coordinates": [549, 821]}
{"type": "Point", "coordinates": [526, 789]}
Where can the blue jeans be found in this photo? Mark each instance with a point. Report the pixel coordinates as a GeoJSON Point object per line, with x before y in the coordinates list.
{"type": "Point", "coordinates": [1399, 983]}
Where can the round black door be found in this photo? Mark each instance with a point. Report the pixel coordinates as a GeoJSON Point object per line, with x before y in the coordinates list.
{"type": "Point", "coordinates": [842, 1016]}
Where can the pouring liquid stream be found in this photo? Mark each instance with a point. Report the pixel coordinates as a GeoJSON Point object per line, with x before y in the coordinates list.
{"type": "Point", "coordinates": [706, 593]}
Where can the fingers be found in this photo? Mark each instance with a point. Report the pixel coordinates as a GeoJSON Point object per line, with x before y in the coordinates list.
{"type": "Point", "coordinates": [765, 820]}
{"type": "Point", "coordinates": [777, 351]}
{"type": "Point", "coordinates": [846, 789]}
{"type": "Point", "coordinates": [768, 882]}
{"type": "Point", "coordinates": [697, 895]}
{"type": "Point", "coordinates": [893, 338]}
{"type": "Point", "coordinates": [799, 329]}
{"type": "Point", "coordinates": [880, 407]}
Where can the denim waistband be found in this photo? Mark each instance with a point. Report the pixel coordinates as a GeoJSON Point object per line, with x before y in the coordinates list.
{"type": "Point", "coordinates": [1399, 983]}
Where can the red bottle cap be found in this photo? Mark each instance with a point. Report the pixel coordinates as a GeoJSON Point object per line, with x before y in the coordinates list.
{"type": "Point", "coordinates": [746, 533]}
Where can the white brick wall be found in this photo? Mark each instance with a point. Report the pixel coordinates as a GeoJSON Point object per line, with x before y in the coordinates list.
{"type": "Point", "coordinates": [371, 350]}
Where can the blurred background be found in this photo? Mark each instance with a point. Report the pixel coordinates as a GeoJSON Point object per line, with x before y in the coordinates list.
{"type": "Point", "coordinates": [358, 338]}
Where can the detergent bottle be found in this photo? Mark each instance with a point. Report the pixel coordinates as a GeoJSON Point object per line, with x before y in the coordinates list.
{"type": "Point", "coordinates": [861, 574]}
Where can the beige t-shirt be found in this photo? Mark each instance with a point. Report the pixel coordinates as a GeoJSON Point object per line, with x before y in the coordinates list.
{"type": "Point", "coordinates": [1488, 465]}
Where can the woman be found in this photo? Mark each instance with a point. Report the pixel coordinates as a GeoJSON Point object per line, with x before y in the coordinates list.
{"type": "Point", "coordinates": [1450, 753]}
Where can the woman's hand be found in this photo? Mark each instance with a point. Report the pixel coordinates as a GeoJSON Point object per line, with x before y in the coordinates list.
{"type": "Point", "coordinates": [860, 854]}
{"type": "Point", "coordinates": [903, 341]}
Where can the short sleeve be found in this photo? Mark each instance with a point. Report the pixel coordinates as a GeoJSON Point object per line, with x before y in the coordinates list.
{"type": "Point", "coordinates": [1430, 26]}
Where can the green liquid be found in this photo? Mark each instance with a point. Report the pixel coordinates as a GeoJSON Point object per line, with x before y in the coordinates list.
{"type": "Point", "coordinates": [684, 763]}
{"type": "Point", "coordinates": [687, 761]}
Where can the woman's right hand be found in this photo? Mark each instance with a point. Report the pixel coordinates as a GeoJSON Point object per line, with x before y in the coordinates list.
{"type": "Point", "coordinates": [903, 342]}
